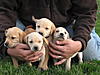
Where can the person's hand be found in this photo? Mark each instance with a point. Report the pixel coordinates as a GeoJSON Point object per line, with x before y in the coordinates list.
{"type": "Point", "coordinates": [22, 52]}
{"type": "Point", "coordinates": [64, 49]}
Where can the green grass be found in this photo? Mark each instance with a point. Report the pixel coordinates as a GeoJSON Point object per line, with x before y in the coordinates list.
{"type": "Point", "coordinates": [87, 68]}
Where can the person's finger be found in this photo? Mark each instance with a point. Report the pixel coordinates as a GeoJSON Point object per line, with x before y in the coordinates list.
{"type": "Point", "coordinates": [38, 53]}
{"type": "Point", "coordinates": [35, 58]}
{"type": "Point", "coordinates": [55, 56]}
{"type": "Point", "coordinates": [25, 53]}
{"type": "Point", "coordinates": [62, 42]}
{"type": "Point", "coordinates": [34, 54]}
{"type": "Point", "coordinates": [55, 51]}
{"type": "Point", "coordinates": [22, 46]}
{"type": "Point", "coordinates": [55, 47]}
{"type": "Point", "coordinates": [60, 62]}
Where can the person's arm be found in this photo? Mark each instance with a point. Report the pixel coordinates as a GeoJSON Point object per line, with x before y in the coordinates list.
{"type": "Point", "coordinates": [7, 19]}
{"type": "Point", "coordinates": [84, 12]}
{"type": "Point", "coordinates": [8, 16]}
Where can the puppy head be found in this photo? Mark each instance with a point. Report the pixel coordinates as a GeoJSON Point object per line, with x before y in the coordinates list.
{"type": "Point", "coordinates": [34, 41]}
{"type": "Point", "coordinates": [44, 26]}
{"type": "Point", "coordinates": [61, 34]}
{"type": "Point", "coordinates": [14, 36]}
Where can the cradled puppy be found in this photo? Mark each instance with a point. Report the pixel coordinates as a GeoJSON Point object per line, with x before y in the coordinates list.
{"type": "Point", "coordinates": [37, 42]}
{"type": "Point", "coordinates": [14, 36]}
{"type": "Point", "coordinates": [61, 34]}
{"type": "Point", "coordinates": [44, 26]}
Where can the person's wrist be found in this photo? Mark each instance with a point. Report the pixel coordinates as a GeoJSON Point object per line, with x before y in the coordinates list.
{"type": "Point", "coordinates": [8, 52]}
{"type": "Point", "coordinates": [79, 45]}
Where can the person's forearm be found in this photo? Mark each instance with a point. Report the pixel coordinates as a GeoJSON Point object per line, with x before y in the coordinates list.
{"type": "Point", "coordinates": [85, 15]}
{"type": "Point", "coordinates": [7, 19]}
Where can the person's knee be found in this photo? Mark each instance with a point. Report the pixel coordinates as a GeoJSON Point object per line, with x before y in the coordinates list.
{"type": "Point", "coordinates": [20, 25]}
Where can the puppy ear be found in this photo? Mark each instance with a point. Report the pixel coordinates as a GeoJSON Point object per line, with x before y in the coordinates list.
{"type": "Point", "coordinates": [29, 30]}
{"type": "Point", "coordinates": [34, 19]}
{"type": "Point", "coordinates": [68, 37]}
{"type": "Point", "coordinates": [52, 28]}
{"type": "Point", "coordinates": [6, 31]}
{"type": "Point", "coordinates": [26, 39]}
{"type": "Point", "coordinates": [22, 35]}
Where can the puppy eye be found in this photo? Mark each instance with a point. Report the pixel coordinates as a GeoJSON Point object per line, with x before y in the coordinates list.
{"type": "Point", "coordinates": [65, 33]}
{"type": "Point", "coordinates": [46, 28]}
{"type": "Point", "coordinates": [13, 37]}
{"type": "Point", "coordinates": [31, 41]}
{"type": "Point", "coordinates": [57, 31]}
{"type": "Point", "coordinates": [39, 41]}
{"type": "Point", "coordinates": [38, 26]}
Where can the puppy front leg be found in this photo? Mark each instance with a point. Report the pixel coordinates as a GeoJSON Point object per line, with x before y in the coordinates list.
{"type": "Point", "coordinates": [42, 63]}
{"type": "Point", "coordinates": [30, 64]}
{"type": "Point", "coordinates": [80, 56]}
{"type": "Point", "coordinates": [68, 64]}
{"type": "Point", "coordinates": [44, 60]}
{"type": "Point", "coordinates": [45, 64]}
{"type": "Point", "coordinates": [15, 62]}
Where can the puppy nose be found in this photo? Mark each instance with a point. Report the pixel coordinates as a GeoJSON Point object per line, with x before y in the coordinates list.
{"type": "Point", "coordinates": [35, 48]}
{"type": "Point", "coordinates": [61, 34]}
{"type": "Point", "coordinates": [6, 44]}
{"type": "Point", "coordinates": [41, 33]}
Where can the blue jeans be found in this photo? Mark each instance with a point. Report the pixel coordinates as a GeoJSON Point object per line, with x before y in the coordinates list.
{"type": "Point", "coordinates": [92, 51]}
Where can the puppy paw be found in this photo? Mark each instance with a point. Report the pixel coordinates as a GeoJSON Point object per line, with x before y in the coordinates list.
{"type": "Point", "coordinates": [30, 64]}
{"type": "Point", "coordinates": [43, 68]}
{"type": "Point", "coordinates": [80, 62]}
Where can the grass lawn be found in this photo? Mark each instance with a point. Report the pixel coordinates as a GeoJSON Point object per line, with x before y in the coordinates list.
{"type": "Point", "coordinates": [98, 19]}
{"type": "Point", "coordinates": [87, 68]}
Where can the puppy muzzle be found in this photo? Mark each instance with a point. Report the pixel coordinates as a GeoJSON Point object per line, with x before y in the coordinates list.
{"type": "Point", "coordinates": [6, 45]}
{"type": "Point", "coordinates": [60, 38]}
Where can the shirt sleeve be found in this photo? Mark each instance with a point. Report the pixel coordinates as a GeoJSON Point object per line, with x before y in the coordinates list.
{"type": "Point", "coordinates": [8, 18]}
{"type": "Point", "coordinates": [84, 12]}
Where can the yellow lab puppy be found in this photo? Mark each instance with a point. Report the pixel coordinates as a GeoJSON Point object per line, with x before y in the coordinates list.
{"type": "Point", "coordinates": [37, 42]}
{"type": "Point", "coordinates": [14, 36]}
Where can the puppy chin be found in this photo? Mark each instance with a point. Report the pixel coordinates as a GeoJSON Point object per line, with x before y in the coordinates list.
{"type": "Point", "coordinates": [9, 46]}
{"type": "Point", "coordinates": [46, 36]}
{"type": "Point", "coordinates": [59, 38]}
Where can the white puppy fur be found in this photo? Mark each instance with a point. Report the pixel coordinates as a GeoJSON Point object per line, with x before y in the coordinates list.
{"type": "Point", "coordinates": [36, 43]}
{"type": "Point", "coordinates": [62, 34]}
